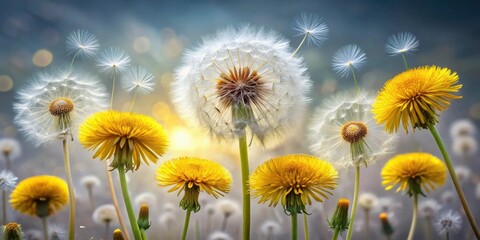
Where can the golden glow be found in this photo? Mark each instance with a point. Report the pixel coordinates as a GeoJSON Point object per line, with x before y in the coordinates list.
{"type": "Point", "coordinates": [181, 139]}
{"type": "Point", "coordinates": [6, 83]}
{"type": "Point", "coordinates": [141, 44]}
{"type": "Point", "coordinates": [42, 58]}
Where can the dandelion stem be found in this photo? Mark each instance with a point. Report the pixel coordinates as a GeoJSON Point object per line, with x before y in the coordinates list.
{"type": "Point", "coordinates": [405, 61]}
{"type": "Point", "coordinates": [454, 178]}
{"type": "Point", "coordinates": [355, 200]}
{"type": "Point", "coordinates": [428, 228]}
{"type": "Point", "coordinates": [113, 87]}
{"type": "Point", "coordinates": [367, 223]}
{"type": "Point", "coordinates": [336, 233]}
{"type": "Point", "coordinates": [294, 226]}
{"type": "Point", "coordinates": [71, 191]}
{"type": "Point", "coordinates": [197, 230]}
{"type": "Point", "coordinates": [414, 217]}
{"type": "Point", "coordinates": [45, 228]}
{"type": "Point", "coordinates": [305, 226]}
{"type": "Point", "coordinates": [301, 44]}
{"type": "Point", "coordinates": [185, 225]}
{"type": "Point", "coordinates": [73, 60]}
{"type": "Point", "coordinates": [128, 203]}
{"type": "Point", "coordinates": [134, 98]}
{"type": "Point", "coordinates": [4, 207]}
{"type": "Point", "coordinates": [245, 191]}
{"type": "Point", "coordinates": [448, 235]}
{"type": "Point", "coordinates": [90, 197]}
{"type": "Point", "coordinates": [8, 164]}
{"type": "Point", "coordinates": [107, 229]}
{"type": "Point", "coordinates": [115, 201]}
{"type": "Point", "coordinates": [224, 222]}
{"type": "Point", "coordinates": [357, 89]}
{"type": "Point", "coordinates": [143, 234]}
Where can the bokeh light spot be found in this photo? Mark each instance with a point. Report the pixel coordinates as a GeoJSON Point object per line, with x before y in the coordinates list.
{"type": "Point", "coordinates": [181, 139]}
{"type": "Point", "coordinates": [141, 44]}
{"type": "Point", "coordinates": [42, 58]}
{"type": "Point", "coordinates": [6, 83]}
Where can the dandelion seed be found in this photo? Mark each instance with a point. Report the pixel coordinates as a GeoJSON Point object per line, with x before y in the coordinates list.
{"type": "Point", "coordinates": [312, 27]}
{"type": "Point", "coordinates": [7, 181]}
{"type": "Point", "coordinates": [401, 43]}
{"type": "Point", "coordinates": [465, 146]}
{"type": "Point", "coordinates": [82, 43]}
{"type": "Point", "coordinates": [113, 59]}
{"type": "Point", "coordinates": [139, 79]}
{"type": "Point", "coordinates": [448, 222]}
{"type": "Point", "coordinates": [348, 59]}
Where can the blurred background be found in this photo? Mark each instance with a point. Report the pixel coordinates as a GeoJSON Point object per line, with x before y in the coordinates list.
{"type": "Point", "coordinates": [156, 33]}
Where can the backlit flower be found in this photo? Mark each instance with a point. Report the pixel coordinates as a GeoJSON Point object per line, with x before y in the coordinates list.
{"type": "Point", "coordinates": [312, 27]}
{"type": "Point", "coordinates": [137, 137]}
{"type": "Point", "coordinates": [82, 44]}
{"type": "Point", "coordinates": [404, 42]}
{"type": "Point", "coordinates": [414, 97]}
{"type": "Point", "coordinates": [348, 59]}
{"type": "Point", "coordinates": [293, 180]}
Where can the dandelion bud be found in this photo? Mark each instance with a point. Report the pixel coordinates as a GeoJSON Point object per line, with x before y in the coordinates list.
{"type": "Point", "coordinates": [387, 228]}
{"type": "Point", "coordinates": [339, 220]}
{"type": "Point", "coordinates": [118, 235]}
{"type": "Point", "coordinates": [12, 231]}
{"type": "Point", "coordinates": [143, 218]}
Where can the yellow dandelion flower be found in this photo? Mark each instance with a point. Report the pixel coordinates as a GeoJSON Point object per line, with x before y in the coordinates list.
{"type": "Point", "coordinates": [294, 180]}
{"type": "Point", "coordinates": [415, 96]}
{"type": "Point", "coordinates": [130, 137]}
{"type": "Point", "coordinates": [194, 175]}
{"type": "Point", "coordinates": [414, 172]}
{"type": "Point", "coordinates": [40, 196]}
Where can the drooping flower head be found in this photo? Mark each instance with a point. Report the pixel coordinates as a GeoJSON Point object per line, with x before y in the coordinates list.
{"type": "Point", "coordinates": [10, 148]}
{"type": "Point", "coordinates": [131, 138]}
{"type": "Point", "coordinates": [193, 175]}
{"type": "Point", "coordinates": [313, 28]}
{"type": "Point", "coordinates": [55, 103]}
{"type": "Point", "coordinates": [348, 59]}
{"type": "Point", "coordinates": [401, 43]}
{"type": "Point", "coordinates": [414, 97]}
{"type": "Point", "coordinates": [82, 44]}
{"type": "Point", "coordinates": [242, 79]}
{"type": "Point", "coordinates": [414, 172]}
{"type": "Point", "coordinates": [344, 132]}
{"type": "Point", "coordinates": [293, 180]}
{"type": "Point", "coordinates": [449, 221]}
{"type": "Point", "coordinates": [113, 59]}
{"type": "Point", "coordinates": [7, 181]}
{"type": "Point", "coordinates": [138, 79]}
{"type": "Point", "coordinates": [40, 196]}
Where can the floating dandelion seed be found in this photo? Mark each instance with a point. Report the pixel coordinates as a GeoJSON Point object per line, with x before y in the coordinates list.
{"type": "Point", "coordinates": [448, 222]}
{"type": "Point", "coordinates": [348, 59]}
{"type": "Point", "coordinates": [82, 43]}
{"type": "Point", "coordinates": [313, 28]}
{"type": "Point", "coordinates": [401, 43]}
{"type": "Point", "coordinates": [113, 59]}
{"type": "Point", "coordinates": [138, 79]}
{"type": "Point", "coordinates": [462, 128]}
{"type": "Point", "coordinates": [7, 181]}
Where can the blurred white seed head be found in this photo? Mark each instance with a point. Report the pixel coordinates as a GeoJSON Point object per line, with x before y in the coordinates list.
{"type": "Point", "coordinates": [217, 235]}
{"type": "Point", "coordinates": [388, 205]}
{"type": "Point", "coordinates": [10, 148]}
{"type": "Point", "coordinates": [463, 173]}
{"type": "Point", "coordinates": [167, 220]}
{"type": "Point", "coordinates": [448, 197]}
{"type": "Point", "coordinates": [429, 208]}
{"type": "Point", "coordinates": [462, 127]}
{"type": "Point", "coordinates": [239, 80]}
{"type": "Point", "coordinates": [8, 181]}
{"type": "Point", "coordinates": [210, 208]}
{"type": "Point", "coordinates": [90, 181]}
{"type": "Point", "coordinates": [227, 207]}
{"type": "Point", "coordinates": [367, 201]}
{"type": "Point", "coordinates": [146, 198]}
{"type": "Point", "coordinates": [113, 58]}
{"type": "Point", "coordinates": [33, 234]}
{"type": "Point", "coordinates": [464, 146]}
{"type": "Point", "coordinates": [169, 207]}
{"type": "Point", "coordinates": [105, 214]}
{"type": "Point", "coordinates": [311, 26]}
{"type": "Point", "coordinates": [82, 44]}
{"type": "Point", "coordinates": [347, 59]}
{"type": "Point", "coordinates": [138, 79]}
{"type": "Point", "coordinates": [270, 228]}
{"type": "Point", "coordinates": [448, 221]}
{"type": "Point", "coordinates": [57, 232]}
{"type": "Point", "coordinates": [404, 42]}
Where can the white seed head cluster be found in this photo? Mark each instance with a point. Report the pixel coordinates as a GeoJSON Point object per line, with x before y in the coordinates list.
{"type": "Point", "coordinates": [367, 201]}
{"type": "Point", "coordinates": [10, 148]}
{"type": "Point", "coordinates": [449, 221]}
{"type": "Point", "coordinates": [462, 127]}
{"type": "Point", "coordinates": [329, 139]}
{"type": "Point", "coordinates": [270, 228]}
{"type": "Point", "coordinates": [429, 208]}
{"type": "Point", "coordinates": [404, 42]}
{"type": "Point", "coordinates": [465, 146]}
{"type": "Point", "coordinates": [239, 79]}
{"type": "Point", "coordinates": [105, 214]}
{"type": "Point", "coordinates": [90, 181]}
{"type": "Point", "coordinates": [54, 103]}
{"type": "Point", "coordinates": [463, 173]}
{"type": "Point", "coordinates": [146, 198]}
{"type": "Point", "coordinates": [227, 207]}
{"type": "Point", "coordinates": [8, 181]}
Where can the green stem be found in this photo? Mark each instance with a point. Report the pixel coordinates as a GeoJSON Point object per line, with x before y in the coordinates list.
{"type": "Point", "coordinates": [185, 225]}
{"type": "Point", "coordinates": [45, 228]}
{"type": "Point", "coordinates": [113, 87]}
{"type": "Point", "coordinates": [134, 98]}
{"type": "Point", "coordinates": [115, 201]}
{"type": "Point", "coordinates": [305, 226]}
{"type": "Point", "coordinates": [301, 43]}
{"type": "Point", "coordinates": [242, 142]}
{"type": "Point", "coordinates": [335, 234]}
{"type": "Point", "coordinates": [355, 200]}
{"type": "Point", "coordinates": [143, 234]}
{"type": "Point", "coordinates": [197, 230]}
{"type": "Point", "coordinates": [128, 203]}
{"type": "Point", "coordinates": [294, 226]}
{"type": "Point", "coordinates": [428, 228]}
{"type": "Point", "coordinates": [405, 61]}
{"type": "Point", "coordinates": [4, 207]}
{"type": "Point", "coordinates": [71, 191]}
{"type": "Point", "coordinates": [414, 217]}
{"type": "Point", "coordinates": [8, 164]}
{"type": "Point", "coordinates": [454, 178]}
{"type": "Point", "coordinates": [73, 60]}
{"type": "Point", "coordinates": [367, 223]}
{"type": "Point", "coordinates": [357, 89]}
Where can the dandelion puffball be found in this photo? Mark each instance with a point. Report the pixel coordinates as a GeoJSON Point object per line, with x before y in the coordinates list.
{"type": "Point", "coordinates": [239, 79]}
{"type": "Point", "coordinates": [146, 198]}
{"type": "Point", "coordinates": [227, 207]}
{"type": "Point", "coordinates": [367, 201]}
{"type": "Point", "coordinates": [462, 128]}
{"type": "Point", "coordinates": [217, 235]}
{"type": "Point", "coordinates": [10, 148]}
{"type": "Point", "coordinates": [429, 208]}
{"type": "Point", "coordinates": [82, 44]}
{"type": "Point", "coordinates": [7, 181]}
{"type": "Point", "coordinates": [105, 214]}
{"type": "Point", "coordinates": [269, 228]}
{"type": "Point", "coordinates": [90, 181]}
{"type": "Point", "coordinates": [348, 59]}
{"type": "Point", "coordinates": [465, 146]}
{"type": "Point", "coordinates": [312, 28]}
{"type": "Point", "coordinates": [448, 221]}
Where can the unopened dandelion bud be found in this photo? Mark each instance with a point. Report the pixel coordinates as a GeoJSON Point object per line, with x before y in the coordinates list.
{"type": "Point", "coordinates": [339, 220]}
{"type": "Point", "coordinates": [143, 217]}
{"type": "Point", "coordinates": [118, 235]}
{"type": "Point", "coordinates": [12, 231]}
{"type": "Point", "coordinates": [387, 228]}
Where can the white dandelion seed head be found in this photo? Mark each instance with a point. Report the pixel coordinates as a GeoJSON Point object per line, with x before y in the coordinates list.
{"type": "Point", "coordinates": [465, 146]}
{"type": "Point", "coordinates": [90, 181]}
{"type": "Point", "coordinates": [448, 197]}
{"type": "Point", "coordinates": [367, 201]}
{"type": "Point", "coordinates": [462, 128]}
{"type": "Point", "coordinates": [270, 228]}
{"type": "Point", "coordinates": [348, 58]}
{"type": "Point", "coordinates": [57, 232]}
{"type": "Point", "coordinates": [217, 235]}
{"type": "Point", "coordinates": [463, 173]}
{"type": "Point", "coordinates": [113, 58]}
{"type": "Point", "coordinates": [54, 103]}
{"type": "Point", "coordinates": [448, 221]}
{"type": "Point", "coordinates": [247, 71]}
{"type": "Point", "coordinates": [312, 26]}
{"type": "Point", "coordinates": [10, 148]}
{"type": "Point", "coordinates": [227, 207]}
{"type": "Point", "coordinates": [105, 213]}
{"type": "Point", "coordinates": [336, 116]}
{"type": "Point", "coordinates": [146, 198]}
{"type": "Point", "coordinates": [138, 78]}
{"type": "Point", "coordinates": [82, 44]}
{"type": "Point", "coordinates": [167, 220]}
{"type": "Point", "coordinates": [8, 181]}
{"type": "Point", "coordinates": [429, 208]}
{"type": "Point", "coordinates": [404, 42]}
{"type": "Point", "coordinates": [169, 207]}
{"type": "Point", "coordinates": [210, 208]}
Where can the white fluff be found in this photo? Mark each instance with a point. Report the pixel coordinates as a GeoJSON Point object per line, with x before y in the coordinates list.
{"type": "Point", "coordinates": [90, 181]}
{"type": "Point", "coordinates": [347, 59]}
{"type": "Point", "coordinates": [138, 79]}
{"type": "Point", "coordinates": [462, 127]}
{"type": "Point", "coordinates": [227, 207]}
{"type": "Point", "coordinates": [10, 147]}
{"type": "Point", "coordinates": [270, 228]}
{"type": "Point", "coordinates": [404, 42]}
{"type": "Point", "coordinates": [312, 26]}
{"type": "Point", "coordinates": [82, 44]}
{"type": "Point", "coordinates": [465, 146]}
{"type": "Point", "coordinates": [105, 213]}
{"type": "Point", "coordinates": [367, 201]}
{"type": "Point", "coordinates": [429, 208]}
{"type": "Point", "coordinates": [463, 173]}
{"type": "Point", "coordinates": [113, 58]}
{"type": "Point", "coordinates": [449, 221]}
{"type": "Point", "coordinates": [217, 235]}
{"type": "Point", "coordinates": [146, 198]}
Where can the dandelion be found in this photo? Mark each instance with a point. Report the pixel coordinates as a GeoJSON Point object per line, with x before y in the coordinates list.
{"type": "Point", "coordinates": [82, 44]}
{"type": "Point", "coordinates": [145, 198]}
{"type": "Point", "coordinates": [270, 229]}
{"type": "Point", "coordinates": [462, 128]}
{"type": "Point", "coordinates": [118, 235]}
{"type": "Point", "coordinates": [143, 220]}
{"type": "Point", "coordinates": [464, 146]}
{"type": "Point", "coordinates": [402, 43]}
{"type": "Point", "coordinates": [10, 150]}
{"type": "Point", "coordinates": [57, 232]}
{"type": "Point", "coordinates": [427, 209]}
{"type": "Point", "coordinates": [228, 208]}
{"type": "Point", "coordinates": [193, 175]}
{"type": "Point", "coordinates": [448, 222]}
{"type": "Point", "coordinates": [294, 180]}
{"type": "Point", "coordinates": [463, 173]}
{"type": "Point", "coordinates": [106, 215]}
{"type": "Point", "coordinates": [7, 184]}
{"type": "Point", "coordinates": [12, 231]}
{"type": "Point", "coordinates": [415, 173]}
{"type": "Point", "coordinates": [113, 59]}
{"type": "Point", "coordinates": [348, 59]}
{"type": "Point", "coordinates": [367, 202]}
{"type": "Point", "coordinates": [217, 235]}
{"type": "Point", "coordinates": [339, 221]}
{"type": "Point", "coordinates": [138, 79]}
{"type": "Point", "coordinates": [313, 29]}
{"type": "Point", "coordinates": [242, 80]}
{"type": "Point", "coordinates": [90, 182]}
{"type": "Point", "coordinates": [40, 196]}
{"type": "Point", "coordinates": [387, 228]}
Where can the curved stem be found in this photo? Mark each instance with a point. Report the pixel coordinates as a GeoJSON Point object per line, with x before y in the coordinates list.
{"type": "Point", "coordinates": [4, 207]}
{"type": "Point", "coordinates": [357, 89]}
{"type": "Point", "coordinates": [113, 87]}
{"type": "Point", "coordinates": [242, 142]}
{"type": "Point", "coordinates": [128, 203]}
{"type": "Point", "coordinates": [115, 201]}
{"type": "Point", "coordinates": [45, 228]}
{"type": "Point", "coordinates": [294, 226]}
{"type": "Point", "coordinates": [71, 191]}
{"type": "Point", "coordinates": [185, 224]}
{"type": "Point", "coordinates": [134, 98]}
{"type": "Point", "coordinates": [454, 178]}
{"type": "Point", "coordinates": [305, 226]}
{"type": "Point", "coordinates": [355, 200]}
{"type": "Point", "coordinates": [301, 43]}
{"type": "Point", "coordinates": [414, 217]}
{"type": "Point", "coordinates": [335, 234]}
{"type": "Point", "coordinates": [405, 61]}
